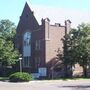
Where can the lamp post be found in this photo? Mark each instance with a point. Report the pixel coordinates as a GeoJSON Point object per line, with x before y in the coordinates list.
{"type": "Point", "coordinates": [20, 62]}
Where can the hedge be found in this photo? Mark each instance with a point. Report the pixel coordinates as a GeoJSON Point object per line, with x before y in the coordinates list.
{"type": "Point", "coordinates": [20, 77]}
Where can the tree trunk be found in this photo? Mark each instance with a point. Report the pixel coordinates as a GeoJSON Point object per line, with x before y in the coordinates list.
{"type": "Point", "coordinates": [65, 71]}
{"type": "Point", "coordinates": [85, 71]}
{"type": "Point", "coordinates": [71, 71]}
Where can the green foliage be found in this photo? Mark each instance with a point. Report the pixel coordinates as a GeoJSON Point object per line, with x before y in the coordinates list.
{"type": "Point", "coordinates": [83, 47]}
{"type": "Point", "coordinates": [68, 55]}
{"type": "Point", "coordinates": [7, 29]}
{"type": "Point", "coordinates": [77, 48]}
{"type": "Point", "coordinates": [3, 78]}
{"type": "Point", "coordinates": [20, 77]}
{"type": "Point", "coordinates": [8, 54]}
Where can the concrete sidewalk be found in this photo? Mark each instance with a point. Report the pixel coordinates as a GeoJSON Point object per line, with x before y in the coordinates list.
{"type": "Point", "coordinates": [47, 85]}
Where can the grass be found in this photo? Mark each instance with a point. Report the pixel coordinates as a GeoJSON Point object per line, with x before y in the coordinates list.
{"type": "Point", "coordinates": [4, 78]}
{"type": "Point", "coordinates": [66, 79]}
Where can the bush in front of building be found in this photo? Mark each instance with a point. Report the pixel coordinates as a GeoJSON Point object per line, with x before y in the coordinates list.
{"type": "Point", "coordinates": [20, 77]}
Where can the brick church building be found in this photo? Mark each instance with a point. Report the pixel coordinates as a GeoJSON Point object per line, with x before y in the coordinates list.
{"type": "Point", "coordinates": [39, 44]}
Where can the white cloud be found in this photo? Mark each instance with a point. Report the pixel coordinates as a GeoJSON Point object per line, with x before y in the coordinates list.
{"type": "Point", "coordinates": [59, 15]}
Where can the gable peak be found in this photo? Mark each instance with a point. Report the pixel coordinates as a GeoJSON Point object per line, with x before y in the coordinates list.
{"type": "Point", "coordinates": [27, 5]}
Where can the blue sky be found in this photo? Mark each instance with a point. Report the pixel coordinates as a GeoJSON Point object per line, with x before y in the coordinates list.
{"type": "Point", "coordinates": [12, 9]}
{"type": "Point", "coordinates": [79, 4]}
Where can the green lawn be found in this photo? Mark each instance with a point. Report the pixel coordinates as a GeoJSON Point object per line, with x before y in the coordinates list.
{"type": "Point", "coordinates": [66, 79]}
{"type": "Point", "coordinates": [72, 78]}
{"type": "Point", "coordinates": [4, 78]}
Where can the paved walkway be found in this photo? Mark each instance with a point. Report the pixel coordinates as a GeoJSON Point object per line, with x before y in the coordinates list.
{"type": "Point", "coordinates": [47, 85]}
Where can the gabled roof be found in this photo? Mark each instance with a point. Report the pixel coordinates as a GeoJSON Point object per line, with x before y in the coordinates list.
{"type": "Point", "coordinates": [27, 19]}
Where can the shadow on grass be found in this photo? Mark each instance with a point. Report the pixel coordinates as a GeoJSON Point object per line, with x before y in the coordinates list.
{"type": "Point", "coordinates": [77, 87]}
{"type": "Point", "coordinates": [66, 79]}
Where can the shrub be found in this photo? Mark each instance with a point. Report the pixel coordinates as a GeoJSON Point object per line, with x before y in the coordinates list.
{"type": "Point", "coordinates": [20, 77]}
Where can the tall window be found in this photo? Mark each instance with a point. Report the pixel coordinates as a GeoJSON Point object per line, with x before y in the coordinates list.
{"type": "Point", "coordinates": [26, 61]}
{"type": "Point", "coordinates": [27, 39]}
{"type": "Point", "coordinates": [37, 61]}
{"type": "Point", "coordinates": [38, 45]}
{"type": "Point", "coordinates": [26, 49]}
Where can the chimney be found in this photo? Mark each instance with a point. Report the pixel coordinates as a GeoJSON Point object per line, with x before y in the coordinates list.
{"type": "Point", "coordinates": [46, 24]}
{"type": "Point", "coordinates": [67, 26]}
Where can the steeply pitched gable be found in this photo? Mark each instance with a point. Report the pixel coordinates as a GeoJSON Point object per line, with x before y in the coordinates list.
{"type": "Point", "coordinates": [27, 19]}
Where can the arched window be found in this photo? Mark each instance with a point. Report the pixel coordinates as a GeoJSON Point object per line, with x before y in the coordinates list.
{"type": "Point", "coordinates": [27, 39]}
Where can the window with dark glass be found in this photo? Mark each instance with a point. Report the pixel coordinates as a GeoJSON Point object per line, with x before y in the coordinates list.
{"type": "Point", "coordinates": [26, 61]}
{"type": "Point", "coordinates": [38, 45]}
{"type": "Point", "coordinates": [37, 61]}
